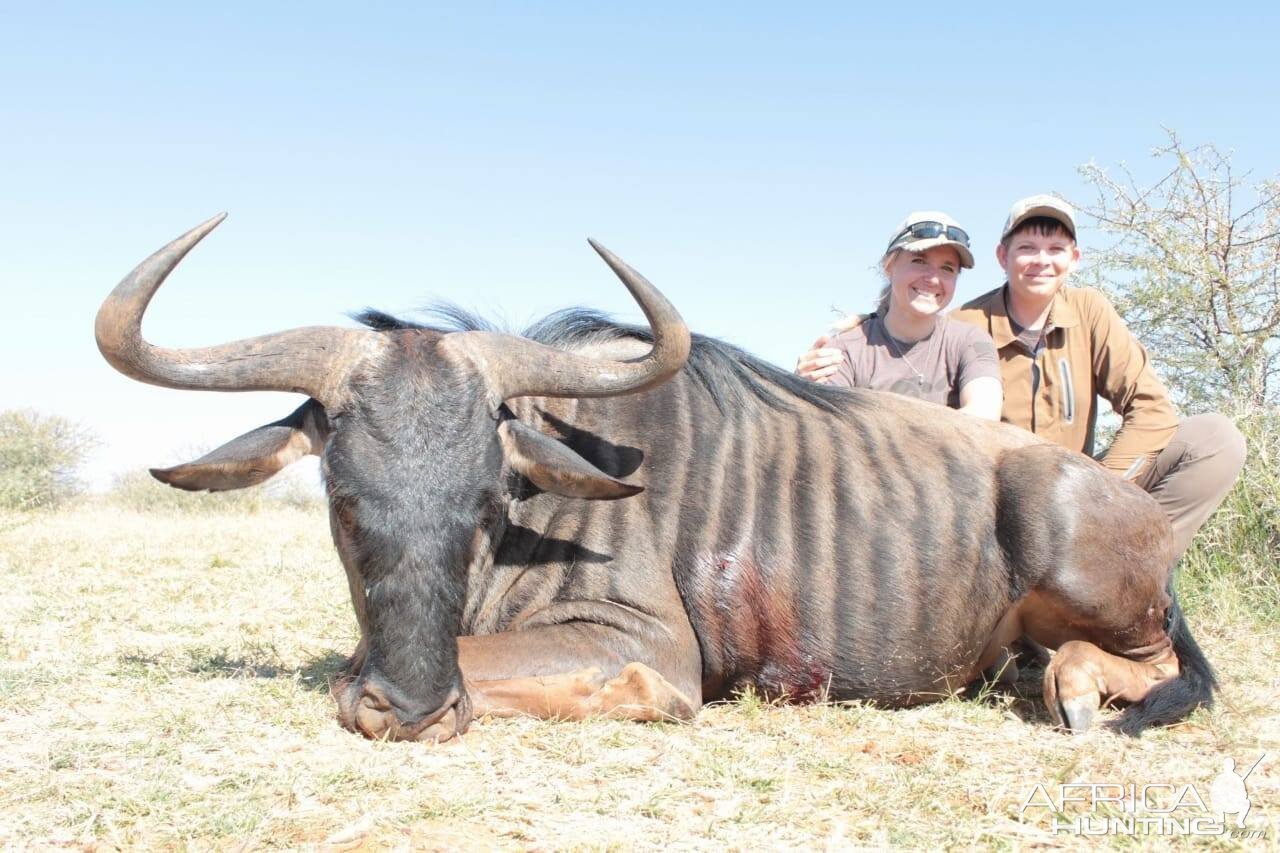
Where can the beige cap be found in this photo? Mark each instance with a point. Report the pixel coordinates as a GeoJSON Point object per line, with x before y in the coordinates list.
{"type": "Point", "coordinates": [903, 239]}
{"type": "Point", "coordinates": [1040, 205]}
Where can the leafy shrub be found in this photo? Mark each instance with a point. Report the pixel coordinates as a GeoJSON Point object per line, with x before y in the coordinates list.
{"type": "Point", "coordinates": [40, 458]}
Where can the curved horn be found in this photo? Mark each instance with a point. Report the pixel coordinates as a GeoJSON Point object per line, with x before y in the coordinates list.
{"type": "Point", "coordinates": [315, 361]}
{"type": "Point", "coordinates": [517, 367]}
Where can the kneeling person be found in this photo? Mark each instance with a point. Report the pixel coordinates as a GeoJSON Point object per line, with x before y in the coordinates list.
{"type": "Point", "coordinates": [1062, 347]}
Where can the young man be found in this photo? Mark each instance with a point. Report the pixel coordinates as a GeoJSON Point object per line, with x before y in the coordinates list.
{"type": "Point", "coordinates": [1062, 347]}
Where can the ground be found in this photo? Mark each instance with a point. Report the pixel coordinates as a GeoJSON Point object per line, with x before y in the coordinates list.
{"type": "Point", "coordinates": [163, 684]}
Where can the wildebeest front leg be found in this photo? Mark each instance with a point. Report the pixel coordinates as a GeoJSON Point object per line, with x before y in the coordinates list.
{"type": "Point", "coordinates": [637, 693]}
{"type": "Point", "coordinates": [575, 671]}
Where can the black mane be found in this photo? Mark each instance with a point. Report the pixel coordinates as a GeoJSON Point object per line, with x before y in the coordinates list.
{"type": "Point", "coordinates": [723, 369]}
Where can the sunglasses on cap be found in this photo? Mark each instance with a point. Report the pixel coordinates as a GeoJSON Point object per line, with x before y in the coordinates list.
{"type": "Point", "coordinates": [928, 231]}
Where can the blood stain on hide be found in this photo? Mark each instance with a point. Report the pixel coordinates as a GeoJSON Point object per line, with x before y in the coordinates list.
{"type": "Point", "coordinates": [762, 644]}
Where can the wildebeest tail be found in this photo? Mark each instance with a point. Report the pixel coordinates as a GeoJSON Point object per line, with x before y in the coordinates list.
{"type": "Point", "coordinates": [1172, 700]}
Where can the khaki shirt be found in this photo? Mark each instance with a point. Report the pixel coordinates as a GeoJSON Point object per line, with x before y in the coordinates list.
{"type": "Point", "coordinates": [1088, 353]}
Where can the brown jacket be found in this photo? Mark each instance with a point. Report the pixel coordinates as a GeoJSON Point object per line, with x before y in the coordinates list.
{"type": "Point", "coordinates": [1088, 353]}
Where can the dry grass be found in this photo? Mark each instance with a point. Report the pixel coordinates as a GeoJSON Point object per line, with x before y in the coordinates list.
{"type": "Point", "coordinates": [163, 685]}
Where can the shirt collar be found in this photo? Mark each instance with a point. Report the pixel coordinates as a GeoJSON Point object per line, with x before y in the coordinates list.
{"type": "Point", "coordinates": [1061, 316]}
{"type": "Point", "coordinates": [1001, 329]}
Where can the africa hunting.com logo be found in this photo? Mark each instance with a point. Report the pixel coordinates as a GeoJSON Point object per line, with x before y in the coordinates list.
{"type": "Point", "coordinates": [1151, 809]}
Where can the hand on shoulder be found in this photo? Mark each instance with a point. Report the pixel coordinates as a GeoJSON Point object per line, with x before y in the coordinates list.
{"type": "Point", "coordinates": [821, 361]}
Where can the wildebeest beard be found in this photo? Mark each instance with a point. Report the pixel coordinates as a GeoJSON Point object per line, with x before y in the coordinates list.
{"type": "Point", "coordinates": [597, 519]}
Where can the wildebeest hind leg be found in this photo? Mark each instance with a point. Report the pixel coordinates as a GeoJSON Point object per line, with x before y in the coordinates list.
{"type": "Point", "coordinates": [1119, 659]}
{"type": "Point", "coordinates": [1082, 677]}
{"type": "Point", "coordinates": [1095, 554]}
{"type": "Point", "coordinates": [574, 672]}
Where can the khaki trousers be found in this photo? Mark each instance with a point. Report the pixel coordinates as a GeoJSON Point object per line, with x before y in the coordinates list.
{"type": "Point", "coordinates": [1191, 476]}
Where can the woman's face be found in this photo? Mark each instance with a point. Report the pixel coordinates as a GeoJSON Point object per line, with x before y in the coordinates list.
{"type": "Point", "coordinates": [923, 282]}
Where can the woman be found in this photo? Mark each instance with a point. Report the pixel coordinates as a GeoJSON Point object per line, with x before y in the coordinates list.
{"type": "Point", "coordinates": [907, 346]}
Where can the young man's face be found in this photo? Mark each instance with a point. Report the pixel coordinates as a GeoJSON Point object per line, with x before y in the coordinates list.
{"type": "Point", "coordinates": [1037, 264]}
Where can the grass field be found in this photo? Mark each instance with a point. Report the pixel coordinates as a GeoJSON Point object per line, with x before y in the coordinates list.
{"type": "Point", "coordinates": [164, 679]}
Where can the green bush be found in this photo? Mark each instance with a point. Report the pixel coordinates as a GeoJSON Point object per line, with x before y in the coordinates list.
{"type": "Point", "coordinates": [1233, 568]}
{"type": "Point", "coordinates": [40, 459]}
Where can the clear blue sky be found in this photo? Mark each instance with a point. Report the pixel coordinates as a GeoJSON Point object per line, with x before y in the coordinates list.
{"type": "Point", "coordinates": [751, 161]}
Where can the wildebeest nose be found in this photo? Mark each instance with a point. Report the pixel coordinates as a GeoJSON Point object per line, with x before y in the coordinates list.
{"type": "Point", "coordinates": [365, 707]}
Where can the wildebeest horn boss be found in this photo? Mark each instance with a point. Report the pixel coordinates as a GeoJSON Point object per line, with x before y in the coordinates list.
{"type": "Point", "coordinates": [802, 540]}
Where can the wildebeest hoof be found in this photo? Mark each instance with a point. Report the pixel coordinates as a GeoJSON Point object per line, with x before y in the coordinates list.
{"type": "Point", "coordinates": [1079, 712]}
{"type": "Point", "coordinates": [1073, 686]}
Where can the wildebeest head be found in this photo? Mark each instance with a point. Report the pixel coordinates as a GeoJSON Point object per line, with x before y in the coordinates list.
{"type": "Point", "coordinates": [417, 448]}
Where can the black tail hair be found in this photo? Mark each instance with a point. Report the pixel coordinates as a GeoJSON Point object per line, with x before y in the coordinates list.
{"type": "Point", "coordinates": [1172, 700]}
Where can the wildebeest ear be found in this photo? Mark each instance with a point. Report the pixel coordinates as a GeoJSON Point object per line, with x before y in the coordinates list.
{"type": "Point", "coordinates": [553, 467]}
{"type": "Point", "coordinates": [254, 457]}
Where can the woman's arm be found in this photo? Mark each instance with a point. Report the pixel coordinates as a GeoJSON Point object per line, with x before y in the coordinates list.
{"type": "Point", "coordinates": [981, 391]}
{"type": "Point", "coordinates": [982, 397]}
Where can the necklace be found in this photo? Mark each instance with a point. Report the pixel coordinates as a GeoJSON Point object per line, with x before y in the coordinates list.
{"type": "Point", "coordinates": [893, 345]}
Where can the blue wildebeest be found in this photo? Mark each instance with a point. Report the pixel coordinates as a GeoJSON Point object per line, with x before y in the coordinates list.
{"type": "Point", "coordinates": [805, 541]}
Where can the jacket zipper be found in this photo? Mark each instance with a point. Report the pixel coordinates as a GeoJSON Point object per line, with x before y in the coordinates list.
{"type": "Point", "coordinates": [1035, 391]}
{"type": "Point", "coordinates": [1068, 392]}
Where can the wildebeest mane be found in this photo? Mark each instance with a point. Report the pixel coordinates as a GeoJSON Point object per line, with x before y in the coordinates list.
{"type": "Point", "coordinates": [725, 371]}
{"type": "Point", "coordinates": [450, 318]}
